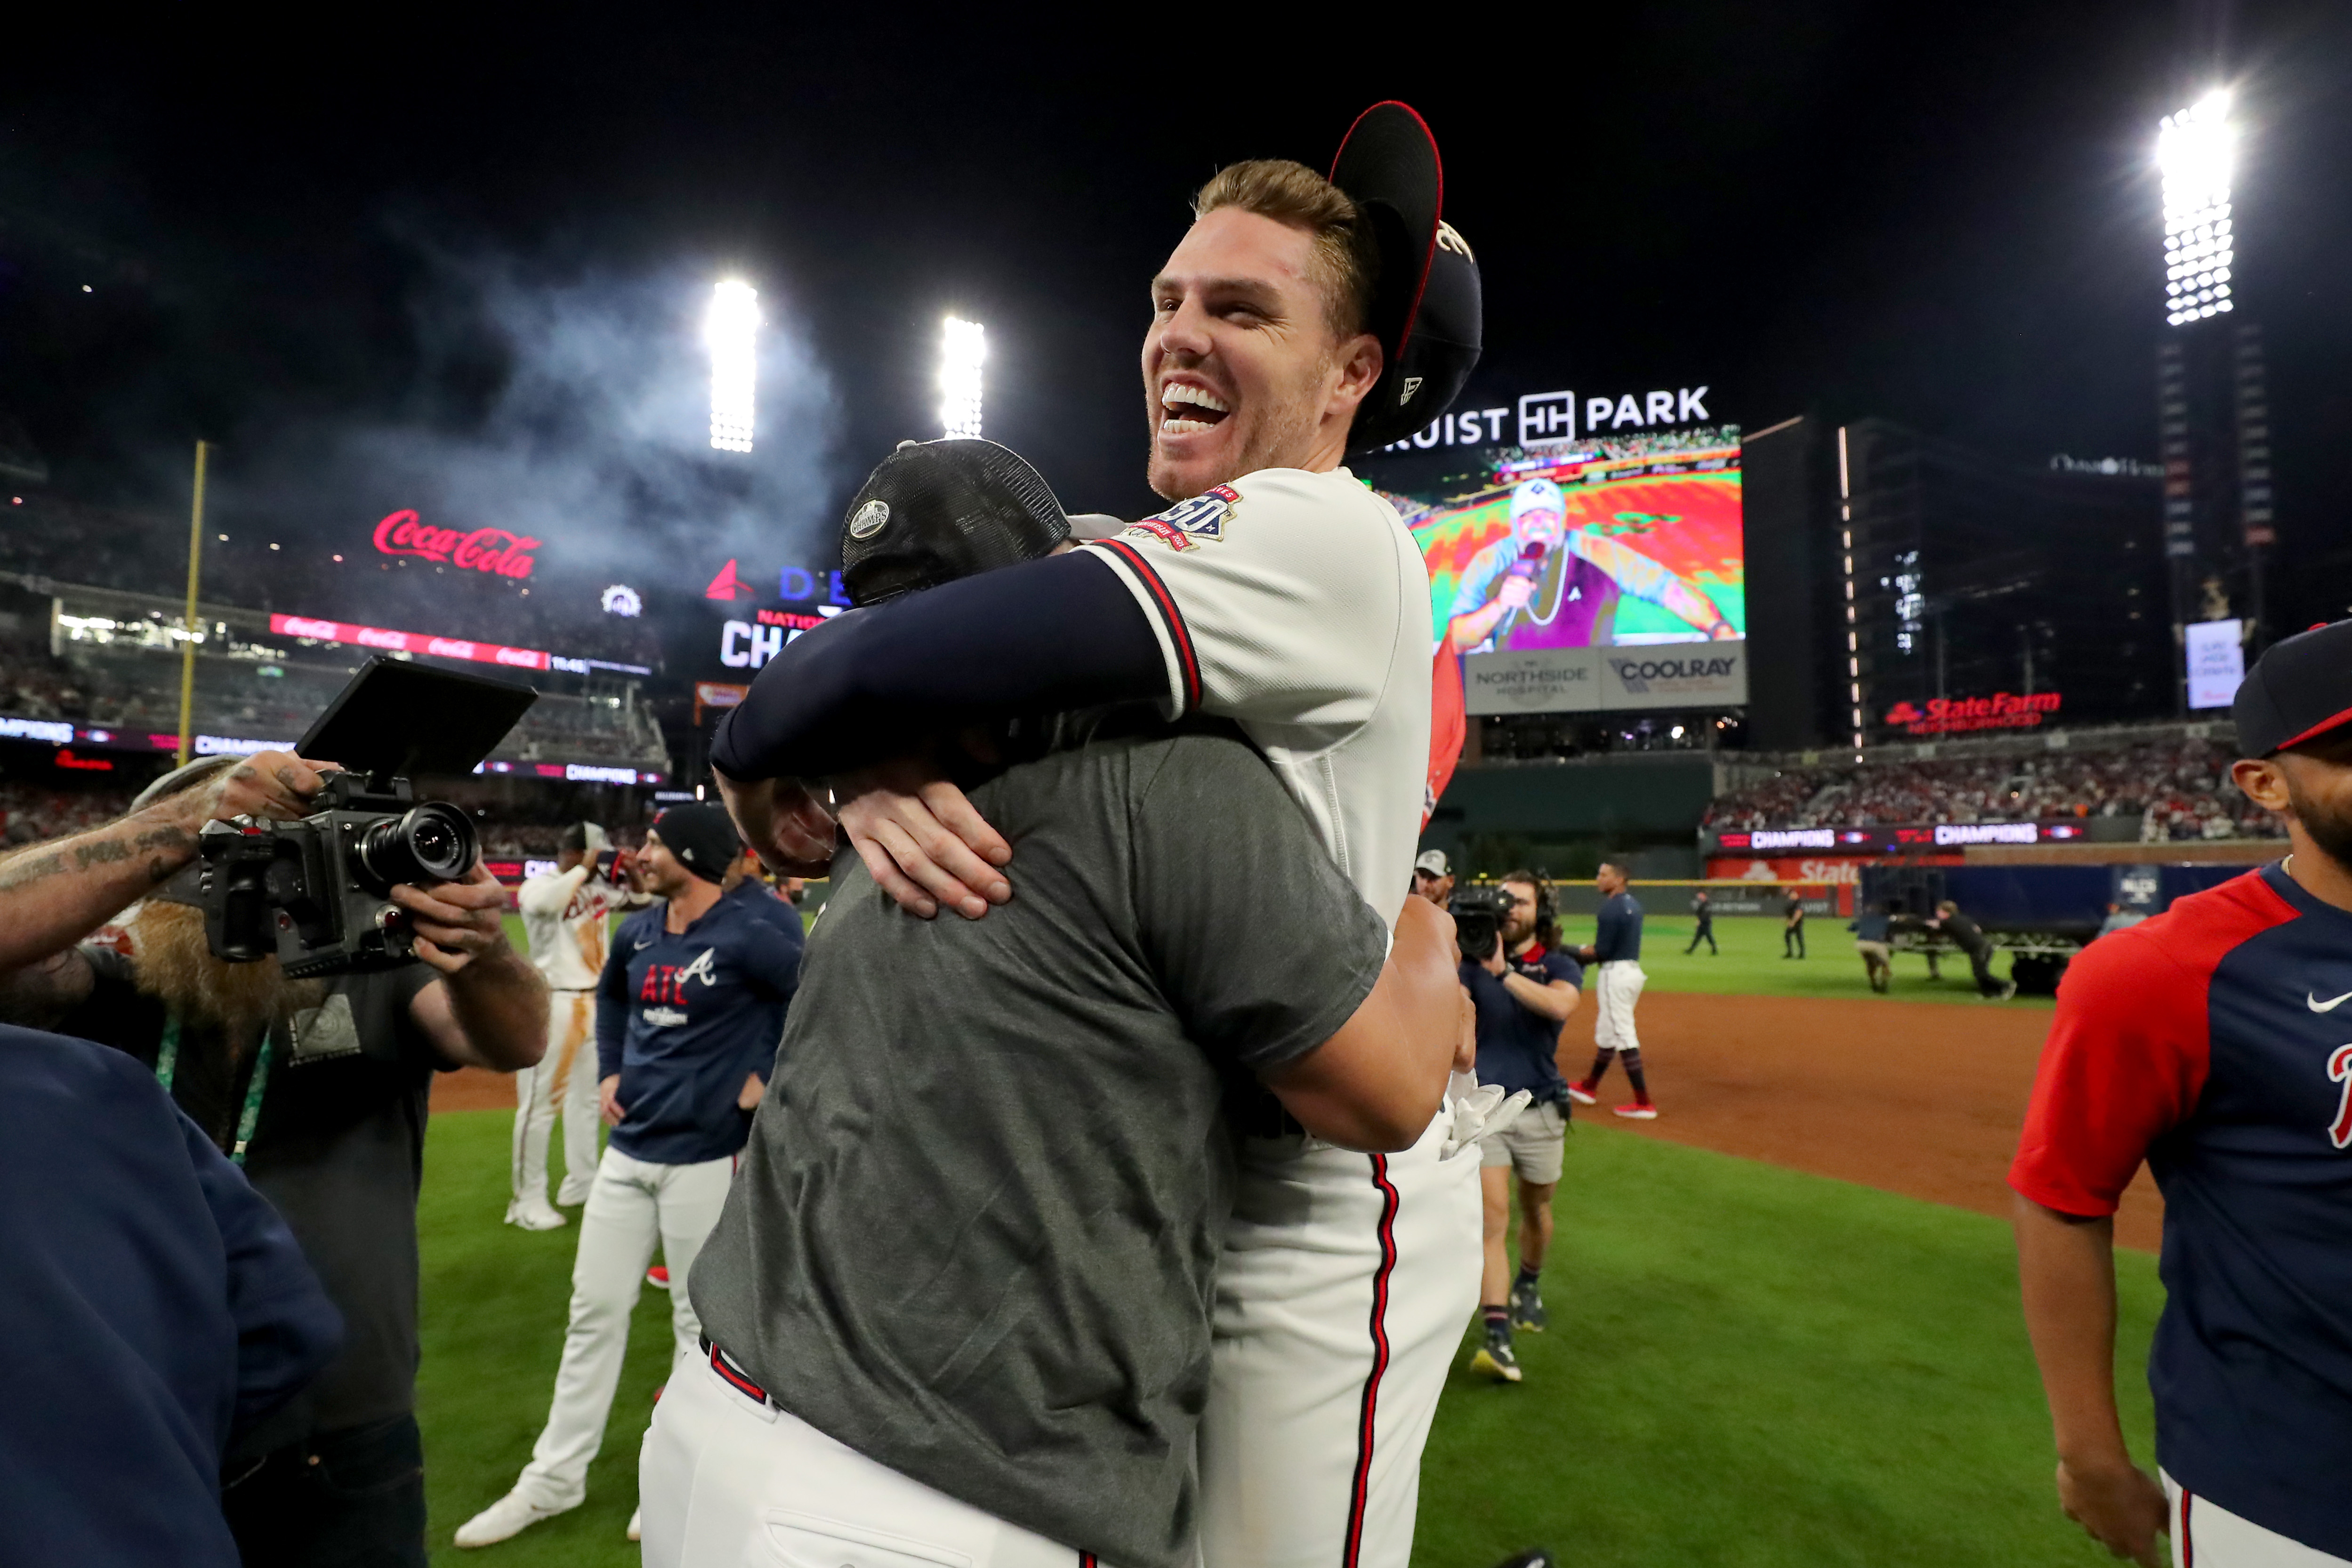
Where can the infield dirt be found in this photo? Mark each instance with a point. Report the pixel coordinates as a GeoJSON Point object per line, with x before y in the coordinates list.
{"type": "Point", "coordinates": [1919, 1098]}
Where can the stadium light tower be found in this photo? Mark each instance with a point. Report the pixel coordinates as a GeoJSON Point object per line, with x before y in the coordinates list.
{"type": "Point", "coordinates": [962, 347]}
{"type": "Point", "coordinates": [2194, 151]}
{"type": "Point", "coordinates": [731, 331]}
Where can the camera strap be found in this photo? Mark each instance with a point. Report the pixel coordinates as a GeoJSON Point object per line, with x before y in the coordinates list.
{"type": "Point", "coordinates": [167, 1063]}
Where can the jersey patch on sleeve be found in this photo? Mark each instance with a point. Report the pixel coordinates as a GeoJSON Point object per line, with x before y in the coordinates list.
{"type": "Point", "coordinates": [1187, 523]}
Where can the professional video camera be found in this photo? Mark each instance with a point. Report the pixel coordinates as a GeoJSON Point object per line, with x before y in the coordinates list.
{"type": "Point", "coordinates": [315, 891]}
{"type": "Point", "coordinates": [1479, 915]}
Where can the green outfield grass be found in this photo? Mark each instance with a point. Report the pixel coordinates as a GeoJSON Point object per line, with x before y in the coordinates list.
{"type": "Point", "coordinates": [1746, 1366]}
{"type": "Point", "coordinates": [1750, 964]}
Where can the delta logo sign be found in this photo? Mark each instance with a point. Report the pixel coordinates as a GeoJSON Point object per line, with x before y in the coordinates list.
{"type": "Point", "coordinates": [493, 550]}
{"type": "Point", "coordinates": [1954, 715]}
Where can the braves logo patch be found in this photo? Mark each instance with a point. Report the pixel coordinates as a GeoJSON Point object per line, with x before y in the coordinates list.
{"type": "Point", "coordinates": [1187, 523]}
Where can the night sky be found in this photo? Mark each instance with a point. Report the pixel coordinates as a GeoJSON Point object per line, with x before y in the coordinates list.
{"type": "Point", "coordinates": [1943, 215]}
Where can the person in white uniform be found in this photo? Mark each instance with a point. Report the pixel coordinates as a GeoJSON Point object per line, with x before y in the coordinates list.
{"type": "Point", "coordinates": [567, 915]}
{"type": "Point", "coordinates": [1616, 952]}
{"type": "Point", "coordinates": [1277, 591]}
{"type": "Point", "coordinates": [688, 1009]}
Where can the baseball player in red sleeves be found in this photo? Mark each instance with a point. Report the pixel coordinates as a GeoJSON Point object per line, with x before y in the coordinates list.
{"type": "Point", "coordinates": [1300, 320]}
{"type": "Point", "coordinates": [2209, 1042]}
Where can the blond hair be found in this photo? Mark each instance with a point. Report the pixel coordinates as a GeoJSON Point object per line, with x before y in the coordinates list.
{"type": "Point", "coordinates": [1346, 261]}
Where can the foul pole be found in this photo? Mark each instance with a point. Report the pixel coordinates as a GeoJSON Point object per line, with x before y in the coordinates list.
{"type": "Point", "coordinates": [188, 625]}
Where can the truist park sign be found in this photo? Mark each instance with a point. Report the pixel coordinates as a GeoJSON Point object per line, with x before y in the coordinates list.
{"type": "Point", "coordinates": [493, 550]}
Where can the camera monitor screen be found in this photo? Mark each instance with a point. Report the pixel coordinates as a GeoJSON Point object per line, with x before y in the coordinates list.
{"type": "Point", "coordinates": [401, 718]}
{"type": "Point", "coordinates": [1581, 544]}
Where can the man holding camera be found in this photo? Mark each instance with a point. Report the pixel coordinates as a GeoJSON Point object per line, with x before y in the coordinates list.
{"type": "Point", "coordinates": [567, 915]}
{"type": "Point", "coordinates": [318, 1087]}
{"type": "Point", "coordinates": [1524, 989]}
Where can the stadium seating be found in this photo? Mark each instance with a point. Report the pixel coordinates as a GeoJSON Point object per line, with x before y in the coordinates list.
{"type": "Point", "coordinates": [2176, 789]}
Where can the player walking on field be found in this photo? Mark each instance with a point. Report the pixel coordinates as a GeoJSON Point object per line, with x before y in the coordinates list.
{"type": "Point", "coordinates": [567, 915]}
{"type": "Point", "coordinates": [1280, 593]}
{"type": "Point", "coordinates": [1616, 949]}
{"type": "Point", "coordinates": [2210, 1042]}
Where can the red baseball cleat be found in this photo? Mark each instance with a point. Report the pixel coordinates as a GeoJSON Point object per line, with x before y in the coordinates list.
{"type": "Point", "coordinates": [659, 1276]}
{"type": "Point", "coordinates": [1582, 1093]}
{"type": "Point", "coordinates": [1639, 1111]}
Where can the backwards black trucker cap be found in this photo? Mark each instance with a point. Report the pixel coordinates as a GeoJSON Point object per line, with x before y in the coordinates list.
{"type": "Point", "coordinates": [1426, 305]}
{"type": "Point", "coordinates": [2299, 689]}
{"type": "Point", "coordinates": [934, 511]}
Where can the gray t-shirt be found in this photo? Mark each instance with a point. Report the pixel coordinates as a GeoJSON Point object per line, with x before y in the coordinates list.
{"type": "Point", "coordinates": [975, 1232]}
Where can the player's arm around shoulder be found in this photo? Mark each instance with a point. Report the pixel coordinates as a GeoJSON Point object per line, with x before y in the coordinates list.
{"type": "Point", "coordinates": [1375, 1084]}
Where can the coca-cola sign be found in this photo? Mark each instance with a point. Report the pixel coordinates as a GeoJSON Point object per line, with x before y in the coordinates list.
{"type": "Point", "coordinates": [494, 550]}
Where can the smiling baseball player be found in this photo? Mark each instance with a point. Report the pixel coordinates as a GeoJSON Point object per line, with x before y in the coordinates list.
{"type": "Point", "coordinates": [1298, 320]}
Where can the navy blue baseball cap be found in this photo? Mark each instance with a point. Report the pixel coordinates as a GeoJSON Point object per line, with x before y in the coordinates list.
{"type": "Point", "coordinates": [2297, 691]}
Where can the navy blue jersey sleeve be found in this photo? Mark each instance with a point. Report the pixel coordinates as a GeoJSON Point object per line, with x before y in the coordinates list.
{"type": "Point", "coordinates": [612, 1001]}
{"type": "Point", "coordinates": [1046, 636]}
{"type": "Point", "coordinates": [1564, 968]}
{"type": "Point", "coordinates": [772, 960]}
{"type": "Point", "coordinates": [287, 1328]}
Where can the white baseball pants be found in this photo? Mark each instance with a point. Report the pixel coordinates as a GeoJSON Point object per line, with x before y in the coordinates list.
{"type": "Point", "coordinates": [1616, 990]}
{"type": "Point", "coordinates": [563, 1083]}
{"type": "Point", "coordinates": [1341, 1294]}
{"type": "Point", "coordinates": [727, 1480]}
{"type": "Point", "coordinates": [2207, 1535]}
{"type": "Point", "coordinates": [633, 1204]}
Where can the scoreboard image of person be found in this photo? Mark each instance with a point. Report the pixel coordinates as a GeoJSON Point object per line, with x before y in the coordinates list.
{"type": "Point", "coordinates": [1582, 544]}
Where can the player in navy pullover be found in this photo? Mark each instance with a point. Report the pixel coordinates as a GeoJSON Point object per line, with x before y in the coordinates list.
{"type": "Point", "coordinates": [688, 1012]}
{"type": "Point", "coordinates": [2209, 1042]}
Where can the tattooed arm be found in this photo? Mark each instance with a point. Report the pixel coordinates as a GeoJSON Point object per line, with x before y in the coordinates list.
{"type": "Point", "coordinates": [54, 895]}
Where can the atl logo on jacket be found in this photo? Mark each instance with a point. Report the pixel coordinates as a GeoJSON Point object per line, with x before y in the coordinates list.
{"type": "Point", "coordinates": [664, 987]}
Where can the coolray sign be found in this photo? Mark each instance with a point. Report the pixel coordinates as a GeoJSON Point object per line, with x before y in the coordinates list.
{"type": "Point", "coordinates": [409, 641]}
{"type": "Point", "coordinates": [1607, 680]}
{"type": "Point", "coordinates": [1545, 417]}
{"type": "Point", "coordinates": [494, 550]}
{"type": "Point", "coordinates": [1693, 675]}
{"type": "Point", "coordinates": [1952, 716]}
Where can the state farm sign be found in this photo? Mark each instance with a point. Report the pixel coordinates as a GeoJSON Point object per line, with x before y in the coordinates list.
{"type": "Point", "coordinates": [493, 550]}
{"type": "Point", "coordinates": [1951, 716]}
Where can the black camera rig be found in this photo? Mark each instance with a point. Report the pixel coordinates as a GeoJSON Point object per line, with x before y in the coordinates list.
{"type": "Point", "coordinates": [315, 892]}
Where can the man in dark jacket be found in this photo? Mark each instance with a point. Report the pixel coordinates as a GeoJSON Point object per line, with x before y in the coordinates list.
{"type": "Point", "coordinates": [158, 1309]}
{"type": "Point", "coordinates": [1969, 939]}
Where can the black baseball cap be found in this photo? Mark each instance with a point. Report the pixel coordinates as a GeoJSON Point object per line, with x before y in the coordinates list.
{"type": "Point", "coordinates": [701, 836]}
{"type": "Point", "coordinates": [2298, 690]}
{"type": "Point", "coordinates": [1426, 305]}
{"type": "Point", "coordinates": [935, 511]}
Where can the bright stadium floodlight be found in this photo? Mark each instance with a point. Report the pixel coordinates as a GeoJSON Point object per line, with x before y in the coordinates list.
{"type": "Point", "coordinates": [2193, 150]}
{"type": "Point", "coordinates": [961, 349]}
{"type": "Point", "coordinates": [732, 330]}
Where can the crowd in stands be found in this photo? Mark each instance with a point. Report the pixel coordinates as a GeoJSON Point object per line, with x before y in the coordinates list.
{"type": "Point", "coordinates": [30, 814]}
{"type": "Point", "coordinates": [2175, 790]}
{"type": "Point", "coordinates": [137, 692]}
{"type": "Point", "coordinates": [70, 542]}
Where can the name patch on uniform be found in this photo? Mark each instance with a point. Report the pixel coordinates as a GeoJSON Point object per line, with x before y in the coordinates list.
{"type": "Point", "coordinates": [1186, 523]}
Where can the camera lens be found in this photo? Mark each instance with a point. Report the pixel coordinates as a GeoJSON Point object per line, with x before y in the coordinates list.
{"type": "Point", "coordinates": [428, 843]}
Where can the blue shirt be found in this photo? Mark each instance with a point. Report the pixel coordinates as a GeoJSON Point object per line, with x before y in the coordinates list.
{"type": "Point", "coordinates": [682, 1019]}
{"type": "Point", "coordinates": [157, 1308]}
{"type": "Point", "coordinates": [1518, 1047]}
{"type": "Point", "coordinates": [1617, 938]}
{"type": "Point", "coordinates": [2209, 1042]}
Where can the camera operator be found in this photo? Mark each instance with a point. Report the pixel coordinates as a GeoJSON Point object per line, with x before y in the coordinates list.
{"type": "Point", "coordinates": [1524, 990]}
{"type": "Point", "coordinates": [319, 1088]}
